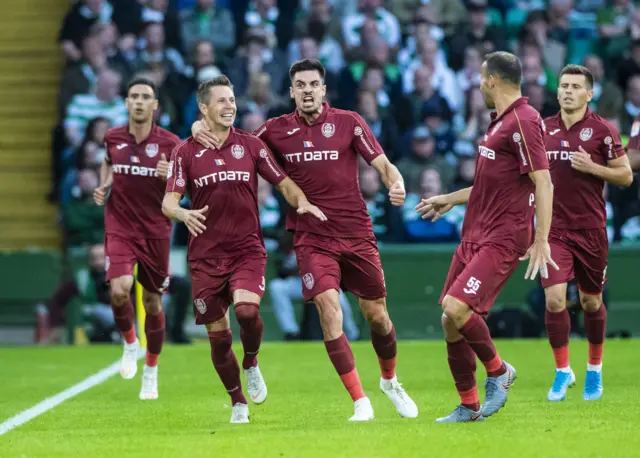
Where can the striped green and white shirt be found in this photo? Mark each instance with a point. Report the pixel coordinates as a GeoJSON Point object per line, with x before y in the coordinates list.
{"type": "Point", "coordinates": [85, 107]}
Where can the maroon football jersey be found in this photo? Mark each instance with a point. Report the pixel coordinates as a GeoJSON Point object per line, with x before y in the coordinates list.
{"type": "Point", "coordinates": [634, 135]}
{"type": "Point", "coordinates": [501, 205]}
{"type": "Point", "coordinates": [226, 180]}
{"type": "Point", "coordinates": [578, 201]}
{"type": "Point", "coordinates": [322, 158]}
{"type": "Point", "coordinates": [134, 206]}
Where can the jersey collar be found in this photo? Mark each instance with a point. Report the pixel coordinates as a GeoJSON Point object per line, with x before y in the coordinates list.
{"type": "Point", "coordinates": [152, 132]}
{"type": "Point", "coordinates": [321, 118]}
{"type": "Point", "coordinates": [513, 106]}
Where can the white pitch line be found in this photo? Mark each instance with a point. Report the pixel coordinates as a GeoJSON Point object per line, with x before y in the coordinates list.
{"type": "Point", "coordinates": [49, 403]}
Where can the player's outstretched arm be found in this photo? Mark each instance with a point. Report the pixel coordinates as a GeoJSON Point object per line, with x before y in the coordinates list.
{"type": "Point", "coordinates": [634, 159]}
{"type": "Point", "coordinates": [391, 178]}
{"type": "Point", "coordinates": [617, 171]}
{"type": "Point", "coordinates": [193, 219]}
{"type": "Point", "coordinates": [106, 178]}
{"type": "Point", "coordinates": [296, 198]}
{"type": "Point", "coordinates": [539, 254]}
{"type": "Point", "coordinates": [435, 207]}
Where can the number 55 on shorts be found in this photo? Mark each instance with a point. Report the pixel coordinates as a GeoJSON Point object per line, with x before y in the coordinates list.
{"type": "Point", "coordinates": [473, 285]}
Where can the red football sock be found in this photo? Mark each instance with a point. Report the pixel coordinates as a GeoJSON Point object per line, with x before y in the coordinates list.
{"type": "Point", "coordinates": [462, 363]}
{"type": "Point", "coordinates": [595, 325]}
{"type": "Point", "coordinates": [386, 349]}
{"type": "Point", "coordinates": [123, 316]}
{"type": "Point", "coordinates": [154, 326]}
{"type": "Point", "coordinates": [342, 358]}
{"type": "Point", "coordinates": [477, 334]}
{"type": "Point", "coordinates": [558, 326]}
{"type": "Point", "coordinates": [226, 364]}
{"type": "Point", "coordinates": [251, 327]}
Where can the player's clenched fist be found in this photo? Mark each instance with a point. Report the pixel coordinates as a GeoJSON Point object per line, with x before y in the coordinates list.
{"type": "Point", "coordinates": [397, 194]}
{"type": "Point", "coordinates": [306, 207]}
{"type": "Point", "coordinates": [162, 167]}
{"type": "Point", "coordinates": [193, 219]}
{"type": "Point", "coordinates": [434, 207]}
{"type": "Point", "coordinates": [99, 195]}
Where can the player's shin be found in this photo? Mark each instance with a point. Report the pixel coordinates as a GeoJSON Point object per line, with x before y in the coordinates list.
{"type": "Point", "coordinates": [595, 324]}
{"type": "Point", "coordinates": [342, 359]}
{"type": "Point", "coordinates": [558, 326]}
{"type": "Point", "coordinates": [477, 334]}
{"type": "Point", "coordinates": [226, 364]}
{"type": "Point", "coordinates": [154, 329]}
{"type": "Point", "coordinates": [462, 363]}
{"type": "Point", "coordinates": [251, 328]}
{"type": "Point", "coordinates": [386, 348]}
{"type": "Point", "coordinates": [123, 317]}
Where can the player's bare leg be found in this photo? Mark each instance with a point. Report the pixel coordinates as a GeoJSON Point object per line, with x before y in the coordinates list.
{"type": "Point", "coordinates": [500, 375]}
{"type": "Point", "coordinates": [462, 363]}
{"type": "Point", "coordinates": [340, 354]}
{"type": "Point", "coordinates": [123, 316]}
{"type": "Point", "coordinates": [383, 338]}
{"type": "Point", "coordinates": [226, 365]}
{"type": "Point", "coordinates": [248, 315]}
{"type": "Point", "coordinates": [558, 324]}
{"type": "Point", "coordinates": [595, 324]}
{"type": "Point", "coordinates": [154, 329]}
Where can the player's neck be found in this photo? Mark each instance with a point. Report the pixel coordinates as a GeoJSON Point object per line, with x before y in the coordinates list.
{"type": "Point", "coordinates": [505, 99]}
{"type": "Point", "coordinates": [219, 131]}
{"type": "Point", "coordinates": [570, 118]}
{"type": "Point", "coordinates": [140, 131]}
{"type": "Point", "coordinates": [312, 117]}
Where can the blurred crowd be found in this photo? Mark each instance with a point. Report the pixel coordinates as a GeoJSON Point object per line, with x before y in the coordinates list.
{"type": "Point", "coordinates": [409, 67]}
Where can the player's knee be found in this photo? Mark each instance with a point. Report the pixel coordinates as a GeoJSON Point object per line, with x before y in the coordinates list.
{"type": "Point", "coordinates": [555, 303]}
{"type": "Point", "coordinates": [152, 303]}
{"type": "Point", "coordinates": [246, 313]}
{"type": "Point", "coordinates": [455, 310]}
{"type": "Point", "coordinates": [375, 312]}
{"type": "Point", "coordinates": [119, 296]}
{"type": "Point", "coordinates": [220, 348]}
{"type": "Point", "coordinates": [590, 303]}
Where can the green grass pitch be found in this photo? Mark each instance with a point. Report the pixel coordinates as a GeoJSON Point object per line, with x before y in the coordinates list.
{"type": "Point", "coordinates": [306, 412]}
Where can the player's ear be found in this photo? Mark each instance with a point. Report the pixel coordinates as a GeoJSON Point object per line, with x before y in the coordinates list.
{"type": "Point", "coordinates": [324, 90]}
{"type": "Point", "coordinates": [589, 95]}
{"type": "Point", "coordinates": [291, 92]}
{"type": "Point", "coordinates": [203, 109]}
{"type": "Point", "coordinates": [155, 104]}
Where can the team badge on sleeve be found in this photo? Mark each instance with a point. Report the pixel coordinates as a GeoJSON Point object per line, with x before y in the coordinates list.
{"type": "Point", "coordinates": [357, 131]}
{"type": "Point", "coordinates": [237, 151]}
{"type": "Point", "coordinates": [152, 149]}
{"type": "Point", "coordinates": [328, 129]}
{"type": "Point", "coordinates": [263, 153]}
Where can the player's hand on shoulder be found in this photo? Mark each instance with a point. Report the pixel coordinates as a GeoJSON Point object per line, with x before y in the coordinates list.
{"type": "Point", "coordinates": [539, 255]}
{"type": "Point", "coordinates": [397, 194]}
{"type": "Point", "coordinates": [100, 195]}
{"type": "Point", "coordinates": [581, 161]}
{"type": "Point", "coordinates": [203, 135]}
{"type": "Point", "coordinates": [194, 220]}
{"type": "Point", "coordinates": [306, 208]}
{"type": "Point", "coordinates": [162, 167]}
{"type": "Point", "coordinates": [434, 207]}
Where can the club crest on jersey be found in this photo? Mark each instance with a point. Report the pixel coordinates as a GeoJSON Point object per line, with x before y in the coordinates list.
{"type": "Point", "coordinates": [201, 306]}
{"type": "Point", "coordinates": [357, 131]}
{"type": "Point", "coordinates": [586, 133]}
{"type": "Point", "coordinates": [152, 149]}
{"type": "Point", "coordinates": [495, 129]}
{"type": "Point", "coordinates": [308, 280]}
{"type": "Point", "coordinates": [237, 151]}
{"type": "Point", "coordinates": [263, 153]}
{"type": "Point", "coordinates": [328, 129]}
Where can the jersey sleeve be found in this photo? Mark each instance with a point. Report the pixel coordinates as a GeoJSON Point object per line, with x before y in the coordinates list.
{"type": "Point", "coordinates": [267, 167]}
{"type": "Point", "coordinates": [611, 146]}
{"type": "Point", "coordinates": [527, 141]}
{"type": "Point", "coordinates": [634, 135]}
{"type": "Point", "coordinates": [178, 167]}
{"type": "Point", "coordinates": [364, 142]}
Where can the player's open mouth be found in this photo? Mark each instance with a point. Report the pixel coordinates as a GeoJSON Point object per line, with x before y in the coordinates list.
{"type": "Point", "coordinates": [227, 116]}
{"type": "Point", "coordinates": [307, 100]}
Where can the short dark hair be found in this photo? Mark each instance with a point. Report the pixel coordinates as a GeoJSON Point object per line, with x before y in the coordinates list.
{"type": "Point", "coordinates": [573, 69]}
{"type": "Point", "coordinates": [204, 89]}
{"type": "Point", "coordinates": [505, 66]}
{"type": "Point", "coordinates": [143, 82]}
{"type": "Point", "coordinates": [305, 65]}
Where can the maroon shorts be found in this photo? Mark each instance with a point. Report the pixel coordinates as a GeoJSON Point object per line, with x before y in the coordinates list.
{"type": "Point", "coordinates": [339, 263]}
{"type": "Point", "coordinates": [213, 282]}
{"type": "Point", "coordinates": [478, 273]}
{"type": "Point", "coordinates": [151, 255]}
{"type": "Point", "coordinates": [580, 254]}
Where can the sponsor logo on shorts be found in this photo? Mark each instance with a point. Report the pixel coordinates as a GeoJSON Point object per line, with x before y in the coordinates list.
{"type": "Point", "coordinates": [107, 263]}
{"type": "Point", "coordinates": [473, 285]}
{"type": "Point", "coordinates": [604, 275]}
{"type": "Point", "coordinates": [308, 280]}
{"type": "Point", "coordinates": [165, 284]}
{"type": "Point", "coordinates": [262, 284]}
{"type": "Point", "coordinates": [328, 129]}
{"type": "Point", "coordinates": [586, 133]}
{"type": "Point", "coordinates": [201, 306]}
